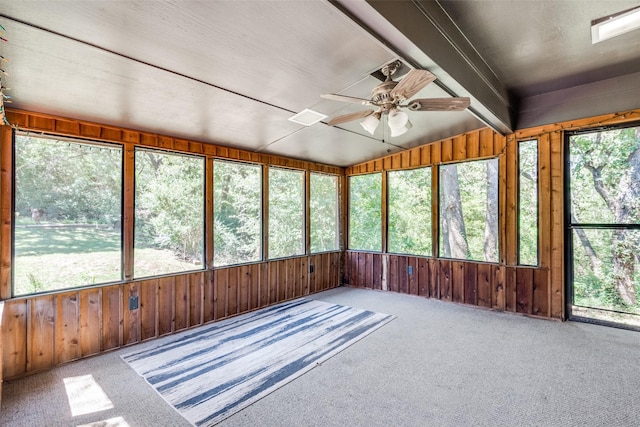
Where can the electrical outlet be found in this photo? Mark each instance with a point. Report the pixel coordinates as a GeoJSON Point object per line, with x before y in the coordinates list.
{"type": "Point", "coordinates": [133, 303]}
{"type": "Point", "coordinates": [310, 268]}
{"type": "Point", "coordinates": [410, 270]}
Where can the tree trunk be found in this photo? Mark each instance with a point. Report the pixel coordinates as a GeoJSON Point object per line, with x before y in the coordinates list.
{"type": "Point", "coordinates": [491, 218]}
{"type": "Point", "coordinates": [454, 233]}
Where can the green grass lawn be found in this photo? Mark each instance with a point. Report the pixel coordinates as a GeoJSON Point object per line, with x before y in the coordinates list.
{"type": "Point", "coordinates": [50, 258]}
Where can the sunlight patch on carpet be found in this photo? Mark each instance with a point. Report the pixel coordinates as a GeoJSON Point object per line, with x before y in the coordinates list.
{"type": "Point", "coordinates": [214, 371]}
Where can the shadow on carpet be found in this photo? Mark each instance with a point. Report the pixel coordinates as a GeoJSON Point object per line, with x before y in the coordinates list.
{"type": "Point", "coordinates": [214, 371]}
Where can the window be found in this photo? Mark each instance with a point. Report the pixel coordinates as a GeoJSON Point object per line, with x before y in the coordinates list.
{"type": "Point", "coordinates": [67, 214]}
{"type": "Point", "coordinates": [323, 202]}
{"type": "Point", "coordinates": [528, 203]}
{"type": "Point", "coordinates": [409, 195]}
{"type": "Point", "coordinates": [469, 210]}
{"type": "Point", "coordinates": [169, 213]}
{"type": "Point", "coordinates": [365, 212]}
{"type": "Point", "coordinates": [286, 213]}
{"type": "Point", "coordinates": [237, 210]}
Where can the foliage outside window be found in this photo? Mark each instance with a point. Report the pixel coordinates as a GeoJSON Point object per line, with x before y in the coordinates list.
{"type": "Point", "coordinates": [286, 213]}
{"type": "Point", "coordinates": [323, 202]}
{"type": "Point", "coordinates": [365, 212]}
{"type": "Point", "coordinates": [237, 211]}
{"type": "Point", "coordinates": [67, 214]}
{"type": "Point", "coordinates": [605, 216]}
{"type": "Point", "coordinates": [528, 203]}
{"type": "Point", "coordinates": [409, 195]}
{"type": "Point", "coordinates": [469, 210]}
{"type": "Point", "coordinates": [169, 213]}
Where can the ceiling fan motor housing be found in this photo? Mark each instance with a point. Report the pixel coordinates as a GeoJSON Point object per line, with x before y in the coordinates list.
{"type": "Point", "coordinates": [381, 95]}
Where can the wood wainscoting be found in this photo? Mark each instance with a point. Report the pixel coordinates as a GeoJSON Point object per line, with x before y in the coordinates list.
{"type": "Point", "coordinates": [41, 331]}
{"type": "Point", "coordinates": [515, 289]}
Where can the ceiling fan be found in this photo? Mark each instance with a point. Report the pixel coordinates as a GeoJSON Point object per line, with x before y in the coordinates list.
{"type": "Point", "coordinates": [388, 98]}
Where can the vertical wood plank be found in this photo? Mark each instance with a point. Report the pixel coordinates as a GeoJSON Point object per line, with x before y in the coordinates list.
{"type": "Point", "coordinates": [196, 298]}
{"type": "Point", "coordinates": [67, 328]}
{"type": "Point", "coordinates": [511, 214]}
{"type": "Point", "coordinates": [540, 292]}
{"type": "Point", "coordinates": [208, 213]}
{"type": "Point", "coordinates": [524, 290]}
{"type": "Point", "coordinates": [425, 155]}
{"type": "Point", "coordinates": [166, 307]}
{"type": "Point", "coordinates": [303, 276]}
{"type": "Point", "coordinates": [473, 144]}
{"type": "Point", "coordinates": [434, 278]}
{"type": "Point", "coordinates": [148, 309]}
{"type": "Point", "coordinates": [486, 142]}
{"type": "Point", "coordinates": [41, 332]}
{"type": "Point", "coordinates": [447, 151]}
{"type": "Point", "coordinates": [112, 306]}
{"type": "Point", "coordinates": [181, 303]}
{"type": "Point", "coordinates": [244, 282]}
{"type": "Point", "coordinates": [471, 283]}
{"type": "Point", "coordinates": [445, 280]}
{"type": "Point", "coordinates": [457, 281]}
{"type": "Point", "coordinates": [413, 277]}
{"type": "Point", "coordinates": [485, 284]}
{"type": "Point", "coordinates": [6, 211]}
{"type": "Point", "coordinates": [128, 195]}
{"type": "Point", "coordinates": [273, 282]}
{"type": "Point", "coordinates": [510, 289]}
{"type": "Point", "coordinates": [263, 281]}
{"type": "Point", "coordinates": [90, 321]}
{"type": "Point", "coordinates": [254, 286]}
{"type": "Point", "coordinates": [313, 261]}
{"type": "Point", "coordinates": [393, 285]}
{"type": "Point", "coordinates": [544, 201]}
{"type": "Point", "coordinates": [403, 267]}
{"type": "Point", "coordinates": [233, 293]}
{"type": "Point", "coordinates": [460, 148]}
{"type": "Point", "coordinates": [377, 271]}
{"type": "Point", "coordinates": [368, 268]}
{"type": "Point", "coordinates": [498, 290]}
{"type": "Point", "coordinates": [557, 227]}
{"type": "Point", "coordinates": [423, 277]}
{"type": "Point", "coordinates": [209, 301]}
{"type": "Point", "coordinates": [14, 338]}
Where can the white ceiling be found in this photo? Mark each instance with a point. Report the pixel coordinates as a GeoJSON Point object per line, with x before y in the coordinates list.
{"type": "Point", "coordinates": [232, 72]}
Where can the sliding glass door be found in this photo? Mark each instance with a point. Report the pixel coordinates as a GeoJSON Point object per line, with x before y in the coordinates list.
{"type": "Point", "coordinates": [603, 233]}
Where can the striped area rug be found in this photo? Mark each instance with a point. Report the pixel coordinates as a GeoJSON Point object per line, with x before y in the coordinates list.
{"type": "Point", "coordinates": [214, 371]}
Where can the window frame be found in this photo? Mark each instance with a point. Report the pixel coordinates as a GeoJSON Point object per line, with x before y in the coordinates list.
{"type": "Point", "coordinates": [305, 202]}
{"type": "Point", "coordinates": [382, 213]}
{"type": "Point", "coordinates": [204, 210]}
{"type": "Point", "coordinates": [338, 212]}
{"type": "Point", "coordinates": [439, 217]}
{"type": "Point", "coordinates": [71, 140]}
{"type": "Point", "coordinates": [537, 147]}
{"type": "Point", "coordinates": [262, 255]}
{"type": "Point", "coordinates": [431, 169]}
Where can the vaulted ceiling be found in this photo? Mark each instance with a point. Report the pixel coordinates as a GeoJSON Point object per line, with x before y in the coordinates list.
{"type": "Point", "coordinates": [233, 72]}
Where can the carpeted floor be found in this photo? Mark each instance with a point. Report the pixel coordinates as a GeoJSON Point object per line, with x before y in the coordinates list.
{"type": "Point", "coordinates": [436, 364]}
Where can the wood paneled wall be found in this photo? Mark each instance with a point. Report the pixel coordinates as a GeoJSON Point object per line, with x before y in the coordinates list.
{"type": "Point", "coordinates": [505, 285]}
{"type": "Point", "coordinates": [41, 331]}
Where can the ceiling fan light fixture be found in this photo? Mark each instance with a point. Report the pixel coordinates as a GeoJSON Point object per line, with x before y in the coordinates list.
{"type": "Point", "coordinates": [397, 119]}
{"type": "Point", "coordinates": [402, 130]}
{"type": "Point", "coordinates": [370, 123]}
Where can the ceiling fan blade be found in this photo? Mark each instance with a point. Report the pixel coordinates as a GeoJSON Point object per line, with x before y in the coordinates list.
{"type": "Point", "coordinates": [412, 83]}
{"type": "Point", "coordinates": [345, 98]}
{"type": "Point", "coordinates": [439, 104]}
{"type": "Point", "coordinates": [349, 117]}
